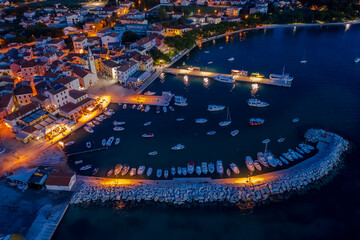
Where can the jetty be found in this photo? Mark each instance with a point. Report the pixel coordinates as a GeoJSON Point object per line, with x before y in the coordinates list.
{"type": "Point", "coordinates": [248, 79]}
{"type": "Point", "coordinates": [154, 100]}
{"type": "Point", "coordinates": [87, 151]}
{"type": "Point", "coordinates": [257, 189]}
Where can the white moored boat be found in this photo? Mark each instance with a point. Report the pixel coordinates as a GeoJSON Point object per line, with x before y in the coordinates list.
{"type": "Point", "coordinates": [257, 165]}
{"type": "Point", "coordinates": [132, 172]}
{"type": "Point", "coordinates": [211, 133]}
{"type": "Point", "coordinates": [204, 168]}
{"type": "Point", "coordinates": [200, 120]}
{"type": "Point", "coordinates": [231, 59]}
{"type": "Point", "coordinates": [153, 153]}
{"type": "Point", "coordinates": [177, 147]}
{"type": "Point", "coordinates": [219, 167]}
{"type": "Point", "coordinates": [141, 170]}
{"type": "Point", "coordinates": [116, 123]}
{"type": "Point", "coordinates": [215, 108]}
{"type": "Point", "coordinates": [110, 141]}
{"type": "Point", "coordinates": [234, 168]}
{"type": "Point", "coordinates": [166, 174]}
{"type": "Point", "coordinates": [281, 77]}
{"type": "Point", "coordinates": [118, 129]}
{"type": "Point", "coordinates": [211, 167]}
{"type": "Point", "coordinates": [180, 119]}
{"type": "Point", "coordinates": [88, 144]}
{"type": "Point", "coordinates": [103, 142]}
{"type": "Point", "coordinates": [234, 132]}
{"type": "Point", "coordinates": [179, 170]}
{"type": "Point", "coordinates": [148, 135]}
{"type": "Point", "coordinates": [149, 172]}
{"type": "Point", "coordinates": [190, 167]}
{"type": "Point", "coordinates": [198, 170]}
{"type": "Point", "coordinates": [224, 79]}
{"type": "Point", "coordinates": [84, 168]}
{"type": "Point", "coordinates": [228, 119]}
{"type": "Point", "coordinates": [249, 163]}
{"type": "Point", "coordinates": [147, 124]}
{"type": "Point", "coordinates": [257, 103]}
{"type": "Point", "coordinates": [117, 141]}
{"type": "Point", "coordinates": [173, 171]}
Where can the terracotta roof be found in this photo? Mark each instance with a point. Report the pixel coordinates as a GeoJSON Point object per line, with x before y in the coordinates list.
{"type": "Point", "coordinates": [57, 89]}
{"type": "Point", "coordinates": [59, 179]}
{"type": "Point", "coordinates": [5, 100]}
{"type": "Point", "coordinates": [23, 89]}
{"type": "Point", "coordinates": [75, 94]}
{"type": "Point", "coordinates": [110, 64]}
{"type": "Point", "coordinates": [23, 110]}
{"type": "Point", "coordinates": [69, 107]}
{"type": "Point", "coordinates": [64, 80]}
{"type": "Point", "coordinates": [80, 72]}
{"type": "Point", "coordinates": [127, 66]}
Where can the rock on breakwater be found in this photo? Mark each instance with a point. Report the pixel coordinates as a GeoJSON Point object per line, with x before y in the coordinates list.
{"type": "Point", "coordinates": [261, 188]}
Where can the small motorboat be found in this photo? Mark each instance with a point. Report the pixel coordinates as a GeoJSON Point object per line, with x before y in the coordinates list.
{"type": "Point", "coordinates": [280, 140]}
{"type": "Point", "coordinates": [211, 62]}
{"type": "Point", "coordinates": [88, 144]}
{"type": "Point", "coordinates": [198, 170]}
{"type": "Point", "coordinates": [234, 168]}
{"type": "Point", "coordinates": [69, 143]}
{"type": "Point", "coordinates": [211, 167]}
{"type": "Point", "coordinates": [147, 123]}
{"type": "Point", "coordinates": [299, 150]}
{"type": "Point", "coordinates": [96, 122]}
{"type": "Point", "coordinates": [295, 120]}
{"type": "Point", "coordinates": [357, 60]}
{"type": "Point", "coordinates": [164, 109]}
{"type": "Point", "coordinates": [149, 93]}
{"type": "Point", "coordinates": [86, 167]}
{"type": "Point", "coordinates": [109, 141]}
{"type": "Point", "coordinates": [200, 120]}
{"type": "Point", "coordinates": [153, 153]}
{"type": "Point", "coordinates": [158, 109]}
{"type": "Point", "coordinates": [78, 161]}
{"type": "Point", "coordinates": [171, 108]}
{"type": "Point", "coordinates": [178, 147]}
{"type": "Point", "coordinates": [141, 170]}
{"type": "Point", "coordinates": [99, 119]}
{"type": "Point", "coordinates": [116, 123]}
{"type": "Point", "coordinates": [211, 133]}
{"type": "Point", "coordinates": [228, 119]}
{"type": "Point", "coordinates": [103, 142]}
{"type": "Point", "coordinates": [118, 129]}
{"type": "Point", "coordinates": [124, 106]}
{"type": "Point", "coordinates": [303, 61]}
{"type": "Point", "coordinates": [231, 59]}
{"type": "Point", "coordinates": [125, 170]}
{"type": "Point", "coordinates": [159, 173]}
{"type": "Point", "coordinates": [179, 170]}
{"type": "Point", "coordinates": [110, 172]}
{"type": "Point", "coordinates": [220, 48]}
{"type": "Point", "coordinates": [228, 172]}
{"type": "Point", "coordinates": [180, 119]}
{"type": "Point", "coordinates": [256, 121]}
{"type": "Point", "coordinates": [88, 129]}
{"type": "Point", "coordinates": [139, 107]}
{"type": "Point", "coordinates": [283, 160]}
{"type": "Point", "coordinates": [149, 172]}
{"type": "Point", "coordinates": [147, 135]}
{"type": "Point", "coordinates": [234, 132]}
{"type": "Point", "coordinates": [90, 124]}
{"type": "Point", "coordinates": [166, 174]}
{"type": "Point", "coordinates": [95, 171]}
{"type": "Point", "coordinates": [257, 165]}
{"type": "Point", "coordinates": [204, 168]}
{"type": "Point", "coordinates": [133, 106]}
{"type": "Point", "coordinates": [117, 141]}
{"type": "Point", "coordinates": [206, 51]}
{"type": "Point", "coordinates": [118, 169]}
{"type": "Point", "coordinates": [173, 171]}
{"type": "Point", "coordinates": [219, 167]}
{"type": "Point", "coordinates": [132, 172]}
{"type": "Point", "coordinates": [147, 108]}
{"type": "Point", "coordinates": [190, 167]}
{"type": "Point", "coordinates": [184, 171]}
{"type": "Point", "coordinates": [278, 162]}
{"type": "Point", "coordinates": [249, 163]}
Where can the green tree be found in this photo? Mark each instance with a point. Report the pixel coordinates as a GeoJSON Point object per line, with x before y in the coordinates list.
{"type": "Point", "coordinates": [130, 37]}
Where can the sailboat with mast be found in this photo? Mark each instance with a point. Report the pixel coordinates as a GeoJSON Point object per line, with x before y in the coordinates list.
{"type": "Point", "coordinates": [228, 119]}
{"type": "Point", "coordinates": [282, 77]}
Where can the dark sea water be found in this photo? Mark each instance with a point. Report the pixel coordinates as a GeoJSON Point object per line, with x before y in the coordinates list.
{"type": "Point", "coordinates": [325, 94]}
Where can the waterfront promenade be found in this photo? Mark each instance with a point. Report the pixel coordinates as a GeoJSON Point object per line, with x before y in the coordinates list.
{"type": "Point", "coordinates": [199, 73]}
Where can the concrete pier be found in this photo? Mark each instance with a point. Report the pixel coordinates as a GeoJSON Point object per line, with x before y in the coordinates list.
{"type": "Point", "coordinates": [154, 100]}
{"type": "Point", "coordinates": [199, 73]}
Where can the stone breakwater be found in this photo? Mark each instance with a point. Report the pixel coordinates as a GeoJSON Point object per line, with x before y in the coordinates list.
{"type": "Point", "coordinates": [233, 191]}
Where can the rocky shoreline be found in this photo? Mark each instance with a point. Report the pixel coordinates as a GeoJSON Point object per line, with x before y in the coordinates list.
{"type": "Point", "coordinates": [277, 185]}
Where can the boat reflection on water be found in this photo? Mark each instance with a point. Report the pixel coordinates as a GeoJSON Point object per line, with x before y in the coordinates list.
{"type": "Point", "coordinates": [186, 80]}
{"type": "Point", "coordinates": [347, 26]}
{"type": "Point", "coordinates": [206, 82]}
{"type": "Point", "coordinates": [254, 89]}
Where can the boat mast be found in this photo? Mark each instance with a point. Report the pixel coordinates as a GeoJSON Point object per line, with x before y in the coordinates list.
{"type": "Point", "coordinates": [228, 115]}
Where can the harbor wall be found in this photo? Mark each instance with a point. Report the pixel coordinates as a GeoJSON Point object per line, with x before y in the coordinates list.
{"type": "Point", "coordinates": [260, 189]}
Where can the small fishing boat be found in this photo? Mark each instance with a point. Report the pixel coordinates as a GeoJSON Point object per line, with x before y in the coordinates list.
{"type": "Point", "coordinates": [228, 119]}
{"type": "Point", "coordinates": [88, 129]}
{"type": "Point", "coordinates": [118, 129]}
{"type": "Point", "coordinates": [231, 59]}
{"type": "Point", "coordinates": [220, 48]}
{"type": "Point", "coordinates": [133, 106]}
{"type": "Point", "coordinates": [147, 108]}
{"type": "Point", "coordinates": [86, 167]}
{"type": "Point", "coordinates": [181, 104]}
{"type": "Point", "coordinates": [158, 109]}
{"type": "Point", "coordinates": [164, 109]}
{"type": "Point", "coordinates": [78, 161]}
{"type": "Point", "coordinates": [179, 170]}
{"type": "Point", "coordinates": [173, 171]}
{"type": "Point", "coordinates": [141, 170]}
{"type": "Point", "coordinates": [90, 124]}
{"type": "Point", "coordinates": [95, 171]}
{"type": "Point", "coordinates": [256, 121]}
{"type": "Point", "coordinates": [257, 165]}
{"type": "Point", "coordinates": [200, 120]}
{"type": "Point", "coordinates": [116, 123]}
{"type": "Point", "coordinates": [132, 172]}
{"type": "Point", "coordinates": [219, 167]}
{"type": "Point", "coordinates": [257, 103]}
{"type": "Point", "coordinates": [211, 167]}
{"type": "Point", "coordinates": [147, 135]}
{"type": "Point", "coordinates": [147, 123]}
{"type": "Point", "coordinates": [211, 62]}
{"type": "Point", "coordinates": [166, 174]}
{"type": "Point", "coordinates": [283, 160]}
{"type": "Point", "coordinates": [159, 173]}
{"type": "Point", "coordinates": [228, 172]}
{"type": "Point", "coordinates": [295, 120]}
{"type": "Point", "coordinates": [280, 140]}
{"type": "Point", "coordinates": [117, 141]}
{"type": "Point", "coordinates": [190, 167]}
{"type": "Point", "coordinates": [288, 156]}
{"type": "Point", "coordinates": [125, 170]}
{"type": "Point", "coordinates": [234, 132]}
{"type": "Point", "coordinates": [204, 168]}
{"type": "Point", "coordinates": [261, 158]}
{"type": "Point", "coordinates": [109, 141]}
{"type": "Point", "coordinates": [69, 143]}
{"type": "Point", "coordinates": [299, 150]}
{"type": "Point", "coordinates": [103, 142]}
{"type": "Point", "coordinates": [95, 122]}
{"type": "Point", "coordinates": [215, 108]}
{"type": "Point", "coordinates": [270, 159]}
{"type": "Point", "coordinates": [293, 154]}
{"type": "Point", "coordinates": [110, 172]}
{"type": "Point", "coordinates": [198, 170]}
{"type": "Point", "coordinates": [153, 153]}
{"type": "Point", "coordinates": [171, 108]}
{"type": "Point", "coordinates": [211, 133]}
{"type": "Point", "coordinates": [249, 163]}
{"type": "Point", "coordinates": [88, 144]}
{"type": "Point", "coordinates": [184, 171]}
{"type": "Point", "coordinates": [234, 168]}
{"type": "Point", "coordinates": [117, 169]}
{"type": "Point", "coordinates": [99, 119]}
{"type": "Point", "coordinates": [178, 147]}
{"type": "Point", "coordinates": [139, 107]}
{"type": "Point", "coordinates": [306, 146]}
{"type": "Point", "coordinates": [206, 51]}
{"type": "Point", "coordinates": [303, 61]}
{"type": "Point", "coordinates": [149, 93]}
{"type": "Point", "coordinates": [278, 162]}
{"type": "Point", "coordinates": [124, 106]}
{"type": "Point", "coordinates": [180, 119]}
{"type": "Point", "coordinates": [103, 116]}
{"type": "Point", "coordinates": [149, 172]}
